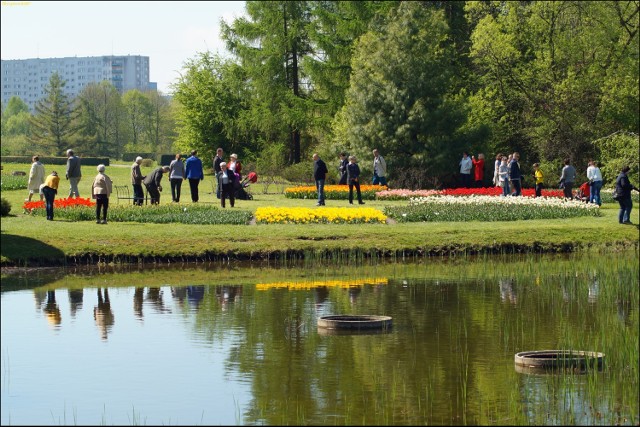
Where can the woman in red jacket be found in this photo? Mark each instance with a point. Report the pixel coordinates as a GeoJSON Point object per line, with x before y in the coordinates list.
{"type": "Point", "coordinates": [478, 169]}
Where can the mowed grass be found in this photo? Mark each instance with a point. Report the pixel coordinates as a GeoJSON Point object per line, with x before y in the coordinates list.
{"type": "Point", "coordinates": [29, 240]}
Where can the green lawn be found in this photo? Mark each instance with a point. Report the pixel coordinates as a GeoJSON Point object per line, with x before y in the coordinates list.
{"type": "Point", "coordinates": [28, 240]}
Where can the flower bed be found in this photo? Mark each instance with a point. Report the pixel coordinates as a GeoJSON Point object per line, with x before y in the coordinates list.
{"type": "Point", "coordinates": [489, 208]}
{"type": "Point", "coordinates": [305, 285]}
{"type": "Point", "coordinates": [84, 210]}
{"type": "Point", "coordinates": [484, 191]}
{"type": "Point", "coordinates": [332, 192]}
{"type": "Point", "coordinates": [322, 215]}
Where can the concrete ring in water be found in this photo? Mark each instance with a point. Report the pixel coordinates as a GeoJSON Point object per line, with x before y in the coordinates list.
{"type": "Point", "coordinates": [552, 359]}
{"type": "Point", "coordinates": [354, 322]}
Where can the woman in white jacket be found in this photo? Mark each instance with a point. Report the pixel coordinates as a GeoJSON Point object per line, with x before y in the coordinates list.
{"type": "Point", "coordinates": [36, 178]}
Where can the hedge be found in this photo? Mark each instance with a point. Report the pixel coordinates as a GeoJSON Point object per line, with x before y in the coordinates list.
{"type": "Point", "coordinates": [166, 159]}
{"type": "Point", "coordinates": [130, 157]}
{"type": "Point", "coordinates": [85, 161]}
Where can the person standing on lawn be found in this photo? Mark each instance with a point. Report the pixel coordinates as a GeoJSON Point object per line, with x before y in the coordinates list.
{"type": "Point", "coordinates": [595, 182]}
{"type": "Point", "coordinates": [623, 190]}
{"type": "Point", "coordinates": [353, 174]}
{"type": "Point", "coordinates": [101, 190]}
{"type": "Point", "coordinates": [195, 174]}
{"type": "Point", "coordinates": [342, 168]}
{"type": "Point", "coordinates": [176, 176]}
{"type": "Point", "coordinates": [136, 182]}
{"type": "Point", "coordinates": [379, 169]}
{"type": "Point", "coordinates": [36, 177]}
{"type": "Point", "coordinates": [465, 170]}
{"type": "Point", "coordinates": [216, 168]}
{"type": "Point", "coordinates": [50, 189]}
{"type": "Point", "coordinates": [539, 179]}
{"type": "Point", "coordinates": [319, 174]}
{"type": "Point", "coordinates": [567, 178]}
{"type": "Point", "coordinates": [515, 176]}
{"type": "Point", "coordinates": [478, 169]}
{"type": "Point", "coordinates": [74, 174]}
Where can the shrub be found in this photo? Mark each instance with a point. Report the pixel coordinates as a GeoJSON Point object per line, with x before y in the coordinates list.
{"type": "Point", "coordinates": [147, 163]}
{"type": "Point", "coordinates": [5, 207]}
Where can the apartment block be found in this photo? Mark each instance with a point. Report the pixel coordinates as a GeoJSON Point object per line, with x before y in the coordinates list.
{"type": "Point", "coordinates": [27, 78]}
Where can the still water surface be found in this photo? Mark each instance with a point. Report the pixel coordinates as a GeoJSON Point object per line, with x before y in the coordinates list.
{"type": "Point", "coordinates": [228, 345]}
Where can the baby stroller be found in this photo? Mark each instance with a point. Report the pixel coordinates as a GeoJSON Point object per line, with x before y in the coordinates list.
{"type": "Point", "coordinates": [241, 193]}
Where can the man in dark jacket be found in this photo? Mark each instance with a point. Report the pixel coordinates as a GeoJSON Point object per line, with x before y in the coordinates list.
{"type": "Point", "coordinates": [152, 182]}
{"type": "Point", "coordinates": [623, 191]}
{"type": "Point", "coordinates": [216, 168]}
{"type": "Point", "coordinates": [344, 162]}
{"type": "Point", "coordinates": [319, 174]}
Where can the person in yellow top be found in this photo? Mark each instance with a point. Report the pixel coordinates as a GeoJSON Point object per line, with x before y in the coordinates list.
{"type": "Point", "coordinates": [101, 190]}
{"type": "Point", "coordinates": [50, 189]}
{"type": "Point", "coordinates": [537, 173]}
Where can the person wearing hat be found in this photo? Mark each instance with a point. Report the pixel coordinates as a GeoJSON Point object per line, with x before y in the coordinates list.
{"type": "Point", "coordinates": [136, 182]}
{"type": "Point", "coordinates": [101, 190]}
{"type": "Point", "coordinates": [234, 165]}
{"type": "Point", "coordinates": [50, 189]}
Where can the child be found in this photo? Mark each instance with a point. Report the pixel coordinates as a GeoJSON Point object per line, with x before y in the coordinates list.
{"type": "Point", "coordinates": [537, 174]}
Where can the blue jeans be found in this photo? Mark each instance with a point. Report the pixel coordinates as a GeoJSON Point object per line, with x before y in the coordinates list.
{"type": "Point", "coordinates": [320, 188]}
{"type": "Point", "coordinates": [594, 195]}
{"type": "Point", "coordinates": [624, 215]}
{"type": "Point", "coordinates": [49, 197]}
{"type": "Point", "coordinates": [379, 180]}
{"type": "Point", "coordinates": [517, 189]}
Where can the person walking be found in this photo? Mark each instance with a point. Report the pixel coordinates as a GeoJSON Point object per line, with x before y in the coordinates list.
{"type": "Point", "coordinates": [216, 168]}
{"type": "Point", "coordinates": [226, 183]}
{"type": "Point", "coordinates": [176, 175]}
{"type": "Point", "coordinates": [319, 174]}
{"type": "Point", "coordinates": [515, 176]}
{"type": "Point", "coordinates": [74, 173]}
{"type": "Point", "coordinates": [595, 182]}
{"type": "Point", "coordinates": [623, 191]}
{"type": "Point", "coordinates": [496, 170]}
{"type": "Point", "coordinates": [353, 178]}
{"type": "Point", "coordinates": [503, 176]}
{"type": "Point", "coordinates": [567, 178]}
{"type": "Point", "coordinates": [195, 174]}
{"type": "Point", "coordinates": [379, 169]}
{"type": "Point", "coordinates": [136, 182]}
{"type": "Point", "coordinates": [152, 182]}
{"type": "Point", "coordinates": [478, 169]}
{"type": "Point", "coordinates": [36, 177]}
{"type": "Point", "coordinates": [101, 190]}
{"type": "Point", "coordinates": [342, 168]}
{"type": "Point", "coordinates": [50, 188]}
{"type": "Point", "coordinates": [539, 179]}
{"type": "Point", "coordinates": [465, 170]}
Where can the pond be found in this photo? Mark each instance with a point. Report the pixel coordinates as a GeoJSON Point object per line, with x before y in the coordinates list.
{"type": "Point", "coordinates": [227, 344]}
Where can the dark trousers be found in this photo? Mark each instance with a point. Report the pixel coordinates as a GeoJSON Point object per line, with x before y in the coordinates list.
{"type": "Point", "coordinates": [624, 214]}
{"type": "Point", "coordinates": [154, 194]}
{"type": "Point", "coordinates": [193, 184]}
{"type": "Point", "coordinates": [176, 185]}
{"type": "Point", "coordinates": [102, 203]}
{"type": "Point", "coordinates": [539, 188]}
{"type": "Point", "coordinates": [568, 190]}
{"type": "Point", "coordinates": [138, 194]}
{"type": "Point", "coordinates": [466, 180]}
{"type": "Point", "coordinates": [356, 184]}
{"type": "Point", "coordinates": [49, 197]}
{"type": "Point", "coordinates": [517, 187]}
{"type": "Point", "coordinates": [228, 191]}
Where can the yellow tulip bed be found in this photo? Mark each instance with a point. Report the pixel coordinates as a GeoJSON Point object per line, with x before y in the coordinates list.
{"type": "Point", "coordinates": [305, 285]}
{"type": "Point", "coordinates": [333, 192]}
{"type": "Point", "coordinates": [321, 215]}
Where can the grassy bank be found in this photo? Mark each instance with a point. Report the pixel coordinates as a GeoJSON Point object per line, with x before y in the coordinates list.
{"type": "Point", "coordinates": [33, 241]}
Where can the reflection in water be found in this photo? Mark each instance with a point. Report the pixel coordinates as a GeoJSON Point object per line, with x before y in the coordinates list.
{"type": "Point", "coordinates": [103, 314]}
{"type": "Point", "coordinates": [75, 300]}
{"type": "Point", "coordinates": [195, 294]}
{"type": "Point", "coordinates": [353, 294]}
{"type": "Point", "coordinates": [138, 295]}
{"type": "Point", "coordinates": [51, 309]}
{"type": "Point", "coordinates": [227, 294]}
{"type": "Point", "coordinates": [179, 293]}
{"type": "Point", "coordinates": [507, 293]}
{"type": "Point", "coordinates": [39, 297]}
{"type": "Point", "coordinates": [594, 290]}
{"type": "Point", "coordinates": [155, 297]}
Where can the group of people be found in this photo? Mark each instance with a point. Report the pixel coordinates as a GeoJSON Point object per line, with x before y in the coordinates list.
{"type": "Point", "coordinates": [349, 174]}
{"type": "Point", "coordinates": [227, 176]}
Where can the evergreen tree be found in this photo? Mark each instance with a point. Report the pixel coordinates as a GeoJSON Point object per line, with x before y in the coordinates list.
{"type": "Point", "coordinates": [52, 124]}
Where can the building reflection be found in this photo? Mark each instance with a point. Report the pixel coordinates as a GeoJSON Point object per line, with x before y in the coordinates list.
{"type": "Point", "coordinates": [102, 314]}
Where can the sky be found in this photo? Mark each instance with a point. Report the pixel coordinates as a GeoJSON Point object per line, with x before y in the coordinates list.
{"type": "Point", "coordinates": [168, 32]}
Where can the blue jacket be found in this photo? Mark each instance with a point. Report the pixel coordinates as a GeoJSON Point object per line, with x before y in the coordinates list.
{"type": "Point", "coordinates": [193, 168]}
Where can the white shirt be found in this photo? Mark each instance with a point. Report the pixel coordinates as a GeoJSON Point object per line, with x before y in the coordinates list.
{"type": "Point", "coordinates": [594, 174]}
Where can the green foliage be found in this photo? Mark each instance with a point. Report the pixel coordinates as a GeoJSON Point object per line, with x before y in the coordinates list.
{"type": "Point", "coordinates": [11, 182]}
{"type": "Point", "coordinates": [52, 124]}
{"type": "Point", "coordinates": [617, 151]}
{"type": "Point", "coordinates": [299, 173]}
{"type": "Point", "coordinates": [164, 214]}
{"type": "Point", "coordinates": [5, 206]}
{"type": "Point", "coordinates": [402, 99]}
{"type": "Point", "coordinates": [212, 100]}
